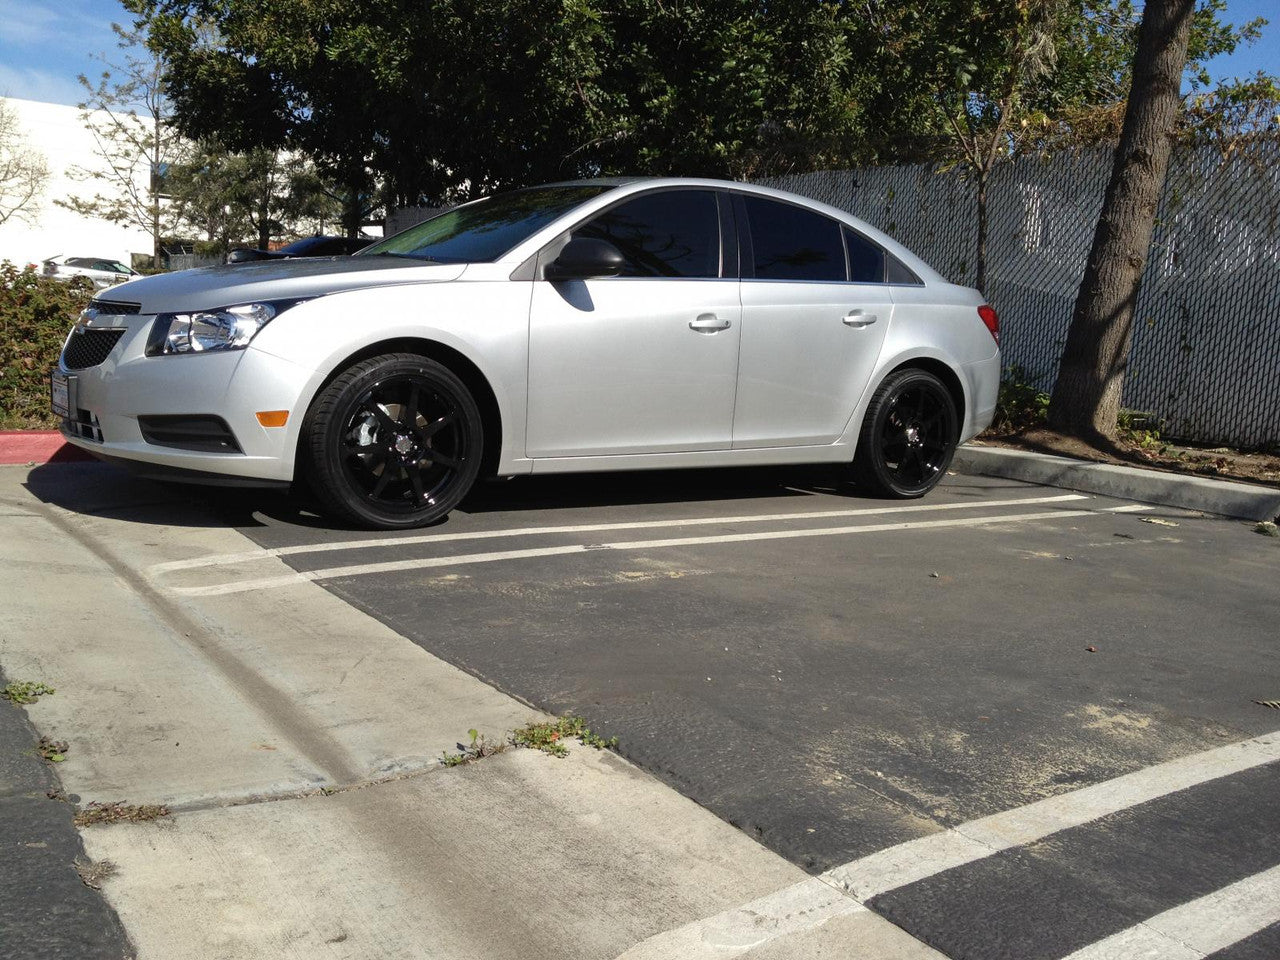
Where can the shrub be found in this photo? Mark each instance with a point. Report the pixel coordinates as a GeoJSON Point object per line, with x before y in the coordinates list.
{"type": "Point", "coordinates": [1020, 404]}
{"type": "Point", "coordinates": [35, 314]}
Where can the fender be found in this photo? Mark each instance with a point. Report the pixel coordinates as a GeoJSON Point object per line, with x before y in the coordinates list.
{"type": "Point", "coordinates": [487, 322]}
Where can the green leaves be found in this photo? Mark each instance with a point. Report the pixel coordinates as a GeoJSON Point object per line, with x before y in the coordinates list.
{"type": "Point", "coordinates": [440, 100]}
{"type": "Point", "coordinates": [36, 314]}
{"type": "Point", "coordinates": [25, 691]}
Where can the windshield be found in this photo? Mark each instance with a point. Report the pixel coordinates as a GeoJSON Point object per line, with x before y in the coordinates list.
{"type": "Point", "coordinates": [483, 231]}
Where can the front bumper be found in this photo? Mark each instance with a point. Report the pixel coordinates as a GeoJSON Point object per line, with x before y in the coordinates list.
{"type": "Point", "coordinates": [233, 385]}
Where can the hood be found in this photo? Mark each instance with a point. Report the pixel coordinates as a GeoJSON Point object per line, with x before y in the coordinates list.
{"type": "Point", "coordinates": [207, 288]}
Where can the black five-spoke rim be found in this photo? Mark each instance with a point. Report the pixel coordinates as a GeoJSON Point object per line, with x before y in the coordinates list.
{"type": "Point", "coordinates": [916, 435]}
{"type": "Point", "coordinates": [403, 443]}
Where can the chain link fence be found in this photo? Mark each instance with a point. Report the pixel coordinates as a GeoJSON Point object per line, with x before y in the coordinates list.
{"type": "Point", "coordinates": [1206, 343]}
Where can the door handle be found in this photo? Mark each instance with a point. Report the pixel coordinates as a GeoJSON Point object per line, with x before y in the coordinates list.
{"type": "Point", "coordinates": [709, 323]}
{"type": "Point", "coordinates": [856, 318]}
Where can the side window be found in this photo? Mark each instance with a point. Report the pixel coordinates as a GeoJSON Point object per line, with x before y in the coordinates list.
{"type": "Point", "coordinates": [866, 259]}
{"type": "Point", "coordinates": [791, 243]}
{"type": "Point", "coordinates": [899, 273]}
{"type": "Point", "coordinates": [671, 234]}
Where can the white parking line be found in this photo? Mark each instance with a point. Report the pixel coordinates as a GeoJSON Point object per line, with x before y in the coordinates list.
{"type": "Point", "coordinates": [1194, 930]}
{"type": "Point", "coordinates": [341, 545]}
{"type": "Point", "coordinates": [422, 563]}
{"type": "Point", "coordinates": [810, 903]}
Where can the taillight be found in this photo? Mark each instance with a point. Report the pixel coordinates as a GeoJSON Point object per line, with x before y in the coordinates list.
{"type": "Point", "coordinates": [988, 315]}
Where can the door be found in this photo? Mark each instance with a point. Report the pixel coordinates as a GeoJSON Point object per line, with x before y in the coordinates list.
{"type": "Point", "coordinates": [644, 362]}
{"type": "Point", "coordinates": [810, 334]}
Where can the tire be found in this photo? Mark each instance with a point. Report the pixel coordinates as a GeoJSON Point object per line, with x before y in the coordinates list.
{"type": "Point", "coordinates": [393, 442]}
{"type": "Point", "coordinates": [908, 437]}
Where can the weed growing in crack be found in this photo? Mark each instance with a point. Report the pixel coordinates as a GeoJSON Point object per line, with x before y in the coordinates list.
{"type": "Point", "coordinates": [479, 748]}
{"type": "Point", "coordinates": [55, 751]}
{"type": "Point", "coordinates": [25, 691]}
{"type": "Point", "coordinates": [550, 736]}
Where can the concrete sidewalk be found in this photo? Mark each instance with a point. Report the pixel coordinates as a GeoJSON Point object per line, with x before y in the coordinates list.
{"type": "Point", "coordinates": [297, 742]}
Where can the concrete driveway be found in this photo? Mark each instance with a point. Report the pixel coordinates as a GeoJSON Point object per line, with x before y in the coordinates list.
{"type": "Point", "coordinates": [849, 682]}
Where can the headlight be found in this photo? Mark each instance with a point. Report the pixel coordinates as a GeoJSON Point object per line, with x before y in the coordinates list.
{"type": "Point", "coordinates": [227, 328]}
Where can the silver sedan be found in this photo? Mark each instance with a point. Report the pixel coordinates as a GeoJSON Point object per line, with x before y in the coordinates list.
{"type": "Point", "coordinates": [586, 326]}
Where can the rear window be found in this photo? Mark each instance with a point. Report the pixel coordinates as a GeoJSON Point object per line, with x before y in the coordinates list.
{"type": "Point", "coordinates": [866, 259]}
{"type": "Point", "coordinates": [482, 232]}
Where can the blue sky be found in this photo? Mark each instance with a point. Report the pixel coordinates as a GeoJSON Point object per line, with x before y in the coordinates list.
{"type": "Point", "coordinates": [44, 44]}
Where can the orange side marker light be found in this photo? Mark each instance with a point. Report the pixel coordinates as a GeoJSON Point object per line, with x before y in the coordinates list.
{"type": "Point", "coordinates": [273, 418]}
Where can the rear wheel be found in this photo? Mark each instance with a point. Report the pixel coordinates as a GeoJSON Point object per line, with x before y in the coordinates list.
{"type": "Point", "coordinates": [908, 437]}
{"type": "Point", "coordinates": [393, 442]}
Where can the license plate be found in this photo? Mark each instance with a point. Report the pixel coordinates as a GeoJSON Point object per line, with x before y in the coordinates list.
{"type": "Point", "coordinates": [61, 394]}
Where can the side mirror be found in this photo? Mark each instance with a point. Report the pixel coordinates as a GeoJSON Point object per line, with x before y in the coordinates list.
{"type": "Point", "coordinates": [585, 257]}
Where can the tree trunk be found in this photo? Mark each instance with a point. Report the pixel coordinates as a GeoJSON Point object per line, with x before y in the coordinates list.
{"type": "Point", "coordinates": [157, 252]}
{"type": "Point", "coordinates": [981, 281]}
{"type": "Point", "coordinates": [353, 205]}
{"type": "Point", "coordinates": [1086, 397]}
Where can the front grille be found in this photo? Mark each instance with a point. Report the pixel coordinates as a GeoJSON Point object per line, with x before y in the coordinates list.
{"type": "Point", "coordinates": [88, 348]}
{"type": "Point", "coordinates": [200, 432]}
{"type": "Point", "coordinates": [114, 308]}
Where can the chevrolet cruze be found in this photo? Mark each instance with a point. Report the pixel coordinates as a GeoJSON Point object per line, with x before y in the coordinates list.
{"type": "Point", "coordinates": [587, 326]}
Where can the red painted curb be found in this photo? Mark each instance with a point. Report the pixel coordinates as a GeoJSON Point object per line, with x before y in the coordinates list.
{"type": "Point", "coordinates": [37, 446]}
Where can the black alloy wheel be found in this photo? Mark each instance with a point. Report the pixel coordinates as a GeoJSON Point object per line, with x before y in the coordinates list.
{"type": "Point", "coordinates": [908, 437]}
{"type": "Point", "coordinates": [394, 442]}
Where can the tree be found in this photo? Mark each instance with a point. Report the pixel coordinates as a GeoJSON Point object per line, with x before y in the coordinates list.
{"type": "Point", "coordinates": [978, 83]}
{"type": "Point", "coordinates": [442, 100]}
{"type": "Point", "coordinates": [729, 88]}
{"type": "Point", "coordinates": [1086, 397]}
{"type": "Point", "coordinates": [127, 111]}
{"type": "Point", "coordinates": [23, 171]}
{"type": "Point", "coordinates": [234, 198]}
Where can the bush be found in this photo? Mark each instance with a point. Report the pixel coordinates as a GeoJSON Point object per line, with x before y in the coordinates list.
{"type": "Point", "coordinates": [35, 314]}
{"type": "Point", "coordinates": [1020, 404]}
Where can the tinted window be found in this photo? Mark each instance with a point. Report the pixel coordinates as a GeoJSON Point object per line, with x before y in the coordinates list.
{"type": "Point", "coordinates": [866, 259]}
{"type": "Point", "coordinates": [671, 234]}
{"type": "Point", "coordinates": [899, 272]}
{"type": "Point", "coordinates": [482, 232]}
{"type": "Point", "coordinates": [791, 243]}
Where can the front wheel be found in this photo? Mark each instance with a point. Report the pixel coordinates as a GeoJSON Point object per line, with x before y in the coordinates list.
{"type": "Point", "coordinates": [393, 442]}
{"type": "Point", "coordinates": [908, 437]}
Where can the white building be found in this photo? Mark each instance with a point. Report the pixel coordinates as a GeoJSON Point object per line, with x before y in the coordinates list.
{"type": "Point", "coordinates": [58, 132]}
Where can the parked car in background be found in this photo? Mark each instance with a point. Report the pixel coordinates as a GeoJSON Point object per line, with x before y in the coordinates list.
{"type": "Point", "coordinates": [103, 271]}
{"type": "Point", "coordinates": [306, 247]}
{"type": "Point", "coordinates": [585, 326]}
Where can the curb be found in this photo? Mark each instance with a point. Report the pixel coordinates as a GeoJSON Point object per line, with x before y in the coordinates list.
{"type": "Point", "coordinates": [37, 447]}
{"type": "Point", "coordinates": [1243, 501]}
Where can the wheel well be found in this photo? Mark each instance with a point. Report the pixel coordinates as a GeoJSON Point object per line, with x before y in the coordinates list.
{"type": "Point", "coordinates": [943, 373]}
{"type": "Point", "coordinates": [461, 366]}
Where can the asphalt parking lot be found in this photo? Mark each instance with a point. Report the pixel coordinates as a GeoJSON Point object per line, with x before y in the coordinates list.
{"type": "Point", "coordinates": [837, 676]}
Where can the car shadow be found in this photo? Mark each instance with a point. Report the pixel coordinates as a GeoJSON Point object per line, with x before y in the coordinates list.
{"type": "Point", "coordinates": [93, 488]}
{"type": "Point", "coordinates": [561, 491]}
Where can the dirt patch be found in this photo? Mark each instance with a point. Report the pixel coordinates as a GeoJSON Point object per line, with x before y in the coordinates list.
{"type": "Point", "coordinates": [93, 872]}
{"type": "Point", "coordinates": [1221, 462]}
{"type": "Point", "coordinates": [119, 812]}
